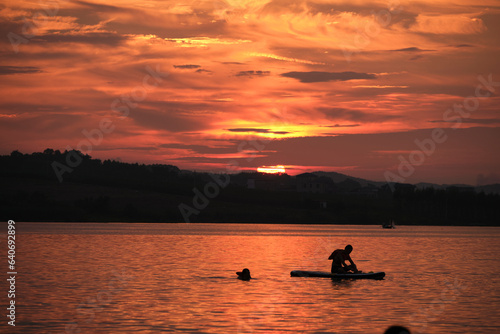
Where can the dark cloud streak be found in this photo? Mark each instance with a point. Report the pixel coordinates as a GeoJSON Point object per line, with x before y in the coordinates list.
{"type": "Point", "coordinates": [253, 73]}
{"type": "Point", "coordinates": [5, 70]}
{"type": "Point", "coordinates": [189, 66]}
{"type": "Point", "coordinates": [257, 130]}
{"type": "Point", "coordinates": [316, 76]}
{"type": "Point", "coordinates": [201, 149]}
{"type": "Point", "coordinates": [342, 126]}
{"type": "Point", "coordinates": [356, 115]}
{"type": "Point", "coordinates": [471, 121]}
{"type": "Point", "coordinates": [99, 38]}
{"type": "Point", "coordinates": [412, 49]}
{"type": "Point", "coordinates": [166, 120]}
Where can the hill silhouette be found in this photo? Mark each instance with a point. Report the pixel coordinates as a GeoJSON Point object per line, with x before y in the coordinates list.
{"type": "Point", "coordinates": [71, 186]}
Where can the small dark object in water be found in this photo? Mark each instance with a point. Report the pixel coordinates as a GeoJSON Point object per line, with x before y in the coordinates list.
{"type": "Point", "coordinates": [389, 225]}
{"type": "Point", "coordinates": [397, 330]}
{"type": "Point", "coordinates": [244, 275]}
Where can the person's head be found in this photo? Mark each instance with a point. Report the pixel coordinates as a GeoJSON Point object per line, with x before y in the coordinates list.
{"type": "Point", "coordinates": [348, 249]}
{"type": "Point", "coordinates": [244, 274]}
{"type": "Point", "coordinates": [397, 330]}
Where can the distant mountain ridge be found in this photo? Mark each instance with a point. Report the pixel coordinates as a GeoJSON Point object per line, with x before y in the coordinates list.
{"type": "Point", "coordinates": [339, 177]}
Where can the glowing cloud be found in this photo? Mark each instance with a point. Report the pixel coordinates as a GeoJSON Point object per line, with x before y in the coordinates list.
{"type": "Point", "coordinates": [310, 83]}
{"type": "Point", "coordinates": [278, 169]}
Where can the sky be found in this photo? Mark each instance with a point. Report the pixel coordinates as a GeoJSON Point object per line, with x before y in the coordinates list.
{"type": "Point", "coordinates": [403, 91]}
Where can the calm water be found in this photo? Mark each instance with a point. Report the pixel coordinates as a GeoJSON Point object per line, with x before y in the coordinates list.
{"type": "Point", "coordinates": [150, 278]}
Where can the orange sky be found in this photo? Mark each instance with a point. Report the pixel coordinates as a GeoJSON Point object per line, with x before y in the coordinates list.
{"type": "Point", "coordinates": [346, 86]}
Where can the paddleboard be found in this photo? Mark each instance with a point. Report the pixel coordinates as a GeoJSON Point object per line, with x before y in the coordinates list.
{"type": "Point", "coordinates": [305, 273]}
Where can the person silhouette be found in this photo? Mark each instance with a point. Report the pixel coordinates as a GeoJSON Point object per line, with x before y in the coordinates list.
{"type": "Point", "coordinates": [397, 330]}
{"type": "Point", "coordinates": [339, 256]}
{"type": "Point", "coordinates": [244, 275]}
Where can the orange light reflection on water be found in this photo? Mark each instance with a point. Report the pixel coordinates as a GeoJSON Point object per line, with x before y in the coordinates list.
{"type": "Point", "coordinates": [181, 277]}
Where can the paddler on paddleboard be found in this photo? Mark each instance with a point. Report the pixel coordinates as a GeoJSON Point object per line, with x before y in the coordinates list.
{"type": "Point", "coordinates": [339, 257]}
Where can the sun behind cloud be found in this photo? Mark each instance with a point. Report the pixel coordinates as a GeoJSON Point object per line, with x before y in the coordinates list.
{"type": "Point", "coordinates": [278, 169]}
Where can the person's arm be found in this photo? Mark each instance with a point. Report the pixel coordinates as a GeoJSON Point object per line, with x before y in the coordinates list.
{"type": "Point", "coordinates": [352, 263]}
{"type": "Point", "coordinates": [350, 260]}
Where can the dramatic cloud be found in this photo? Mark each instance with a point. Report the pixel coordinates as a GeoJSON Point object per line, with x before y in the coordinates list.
{"type": "Point", "coordinates": [323, 83]}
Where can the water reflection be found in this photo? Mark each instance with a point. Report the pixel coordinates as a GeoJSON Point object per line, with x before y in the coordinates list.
{"type": "Point", "coordinates": [186, 282]}
{"type": "Point", "coordinates": [341, 284]}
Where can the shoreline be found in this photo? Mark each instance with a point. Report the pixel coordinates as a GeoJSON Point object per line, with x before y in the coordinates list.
{"type": "Point", "coordinates": [246, 223]}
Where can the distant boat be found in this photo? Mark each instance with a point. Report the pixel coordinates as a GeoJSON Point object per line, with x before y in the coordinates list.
{"type": "Point", "coordinates": [389, 224]}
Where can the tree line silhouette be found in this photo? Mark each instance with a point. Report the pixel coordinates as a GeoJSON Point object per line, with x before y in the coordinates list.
{"type": "Point", "coordinates": [109, 190]}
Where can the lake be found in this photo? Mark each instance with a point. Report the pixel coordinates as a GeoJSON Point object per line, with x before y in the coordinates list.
{"type": "Point", "coordinates": [151, 278]}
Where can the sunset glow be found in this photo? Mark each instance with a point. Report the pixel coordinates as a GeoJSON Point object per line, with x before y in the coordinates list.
{"type": "Point", "coordinates": [272, 169]}
{"type": "Point", "coordinates": [313, 84]}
